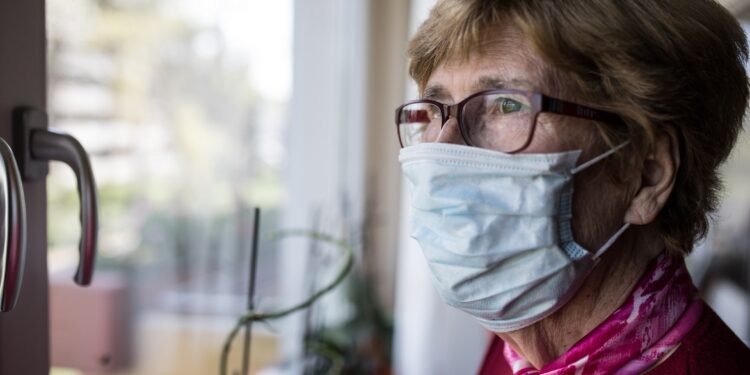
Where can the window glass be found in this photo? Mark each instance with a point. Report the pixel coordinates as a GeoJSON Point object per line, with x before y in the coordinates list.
{"type": "Point", "coordinates": [182, 106]}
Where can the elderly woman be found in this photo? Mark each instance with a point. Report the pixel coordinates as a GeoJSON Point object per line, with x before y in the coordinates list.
{"type": "Point", "coordinates": [561, 162]}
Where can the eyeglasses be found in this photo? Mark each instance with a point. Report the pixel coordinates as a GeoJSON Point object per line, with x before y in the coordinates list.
{"type": "Point", "coordinates": [500, 120]}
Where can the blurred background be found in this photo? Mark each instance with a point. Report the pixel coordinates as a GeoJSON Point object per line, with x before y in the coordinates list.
{"type": "Point", "coordinates": [196, 111]}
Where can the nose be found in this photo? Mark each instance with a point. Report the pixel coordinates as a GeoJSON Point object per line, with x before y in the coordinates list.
{"type": "Point", "coordinates": [450, 133]}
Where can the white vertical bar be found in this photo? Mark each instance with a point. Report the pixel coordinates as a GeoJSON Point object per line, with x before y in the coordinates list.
{"type": "Point", "coordinates": [325, 137]}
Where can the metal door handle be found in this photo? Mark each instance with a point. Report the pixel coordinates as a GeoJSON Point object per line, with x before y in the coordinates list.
{"type": "Point", "coordinates": [12, 230]}
{"type": "Point", "coordinates": [35, 146]}
{"type": "Point", "coordinates": [53, 145]}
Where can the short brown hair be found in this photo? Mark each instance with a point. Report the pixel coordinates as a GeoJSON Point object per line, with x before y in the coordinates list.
{"type": "Point", "coordinates": [678, 63]}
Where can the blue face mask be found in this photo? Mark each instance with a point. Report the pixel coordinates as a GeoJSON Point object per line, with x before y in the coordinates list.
{"type": "Point", "coordinates": [496, 229]}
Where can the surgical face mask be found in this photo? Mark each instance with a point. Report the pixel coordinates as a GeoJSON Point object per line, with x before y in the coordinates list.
{"type": "Point", "coordinates": [496, 229]}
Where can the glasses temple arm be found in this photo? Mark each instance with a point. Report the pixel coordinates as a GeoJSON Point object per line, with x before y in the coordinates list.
{"type": "Point", "coordinates": [563, 107]}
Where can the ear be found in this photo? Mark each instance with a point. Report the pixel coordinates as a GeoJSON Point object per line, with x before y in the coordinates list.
{"type": "Point", "coordinates": [657, 179]}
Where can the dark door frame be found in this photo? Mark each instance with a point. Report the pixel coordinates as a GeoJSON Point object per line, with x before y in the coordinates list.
{"type": "Point", "coordinates": [24, 332]}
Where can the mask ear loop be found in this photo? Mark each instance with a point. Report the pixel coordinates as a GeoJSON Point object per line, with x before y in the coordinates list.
{"type": "Point", "coordinates": [611, 241]}
{"type": "Point", "coordinates": [598, 158]}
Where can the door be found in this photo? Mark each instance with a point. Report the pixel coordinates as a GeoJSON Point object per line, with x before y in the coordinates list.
{"type": "Point", "coordinates": [24, 332]}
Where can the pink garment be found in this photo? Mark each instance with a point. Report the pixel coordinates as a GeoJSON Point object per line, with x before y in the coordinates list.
{"type": "Point", "coordinates": [649, 326]}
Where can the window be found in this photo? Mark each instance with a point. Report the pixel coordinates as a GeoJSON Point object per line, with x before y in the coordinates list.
{"type": "Point", "coordinates": [183, 107]}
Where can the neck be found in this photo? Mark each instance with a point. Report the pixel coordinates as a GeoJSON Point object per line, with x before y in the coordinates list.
{"type": "Point", "coordinates": [606, 288]}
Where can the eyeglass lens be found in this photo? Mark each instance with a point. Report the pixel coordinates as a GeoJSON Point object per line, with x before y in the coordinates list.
{"type": "Point", "coordinates": [419, 123]}
{"type": "Point", "coordinates": [497, 121]}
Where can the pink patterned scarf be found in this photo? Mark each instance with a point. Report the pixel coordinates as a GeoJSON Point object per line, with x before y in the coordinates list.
{"type": "Point", "coordinates": [638, 335]}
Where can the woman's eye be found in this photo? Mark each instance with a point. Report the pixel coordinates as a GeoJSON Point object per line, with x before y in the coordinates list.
{"type": "Point", "coordinates": [509, 106]}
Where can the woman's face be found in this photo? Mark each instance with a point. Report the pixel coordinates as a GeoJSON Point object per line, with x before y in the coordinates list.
{"type": "Point", "coordinates": [509, 62]}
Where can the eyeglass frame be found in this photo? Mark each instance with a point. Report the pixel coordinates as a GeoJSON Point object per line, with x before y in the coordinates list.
{"type": "Point", "coordinates": [540, 103]}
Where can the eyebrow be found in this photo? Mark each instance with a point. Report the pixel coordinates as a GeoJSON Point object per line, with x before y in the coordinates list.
{"type": "Point", "coordinates": [496, 83]}
{"type": "Point", "coordinates": [438, 92]}
{"type": "Point", "coordinates": [435, 92]}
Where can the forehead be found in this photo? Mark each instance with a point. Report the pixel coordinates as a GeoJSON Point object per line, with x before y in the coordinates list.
{"type": "Point", "coordinates": [506, 60]}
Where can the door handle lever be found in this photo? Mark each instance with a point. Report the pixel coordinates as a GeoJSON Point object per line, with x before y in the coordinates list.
{"type": "Point", "coordinates": [51, 145]}
{"type": "Point", "coordinates": [36, 146]}
{"type": "Point", "coordinates": [12, 230]}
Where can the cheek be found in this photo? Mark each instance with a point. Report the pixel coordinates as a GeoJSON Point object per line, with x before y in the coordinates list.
{"type": "Point", "coordinates": [558, 133]}
{"type": "Point", "coordinates": [599, 205]}
{"type": "Point", "coordinates": [599, 202]}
